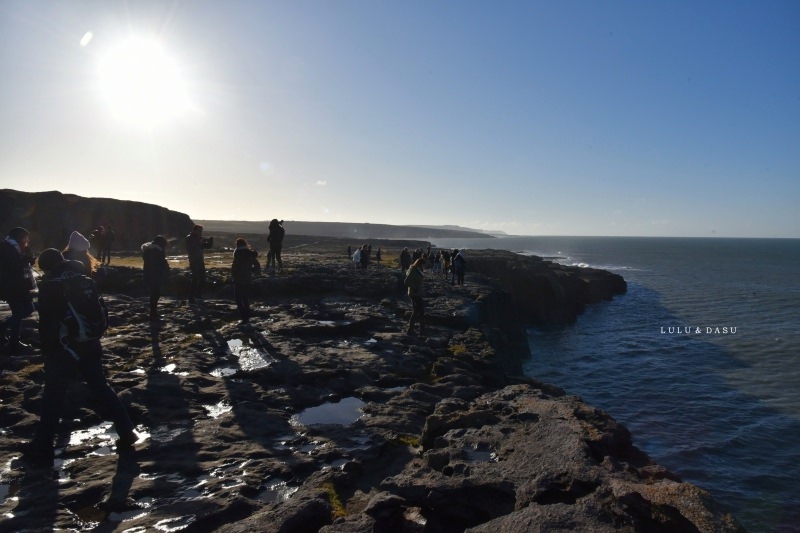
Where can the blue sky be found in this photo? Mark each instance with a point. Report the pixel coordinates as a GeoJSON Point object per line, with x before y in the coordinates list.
{"type": "Point", "coordinates": [533, 118]}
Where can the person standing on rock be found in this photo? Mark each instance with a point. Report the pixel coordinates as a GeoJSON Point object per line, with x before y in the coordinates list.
{"type": "Point", "coordinates": [245, 264]}
{"type": "Point", "coordinates": [275, 239]}
{"type": "Point", "coordinates": [405, 260]}
{"type": "Point", "coordinates": [459, 267]}
{"type": "Point", "coordinates": [156, 270]}
{"type": "Point", "coordinates": [16, 283]}
{"type": "Point", "coordinates": [197, 263]}
{"type": "Point", "coordinates": [414, 282]}
{"type": "Point", "coordinates": [365, 253]}
{"type": "Point", "coordinates": [108, 241]}
{"type": "Point", "coordinates": [64, 354]}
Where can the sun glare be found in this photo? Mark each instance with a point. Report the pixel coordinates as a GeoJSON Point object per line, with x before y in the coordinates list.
{"type": "Point", "coordinates": [142, 84]}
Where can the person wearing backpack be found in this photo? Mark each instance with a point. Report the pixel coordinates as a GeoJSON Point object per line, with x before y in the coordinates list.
{"type": "Point", "coordinates": [16, 283]}
{"type": "Point", "coordinates": [70, 335]}
{"type": "Point", "coordinates": [245, 264]}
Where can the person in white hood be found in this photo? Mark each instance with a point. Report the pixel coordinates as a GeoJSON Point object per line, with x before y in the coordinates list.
{"type": "Point", "coordinates": [78, 250]}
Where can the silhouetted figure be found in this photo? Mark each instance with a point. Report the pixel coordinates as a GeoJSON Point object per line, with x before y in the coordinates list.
{"type": "Point", "coordinates": [108, 242]}
{"type": "Point", "coordinates": [197, 265]}
{"type": "Point", "coordinates": [156, 270]}
{"type": "Point", "coordinates": [405, 260]}
{"type": "Point", "coordinates": [63, 355]}
{"type": "Point", "coordinates": [414, 282]}
{"type": "Point", "coordinates": [275, 239]}
{"type": "Point", "coordinates": [245, 264]}
{"type": "Point", "coordinates": [459, 267]}
{"type": "Point", "coordinates": [16, 283]}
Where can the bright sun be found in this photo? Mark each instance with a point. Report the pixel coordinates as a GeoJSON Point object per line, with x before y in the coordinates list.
{"type": "Point", "coordinates": [142, 84]}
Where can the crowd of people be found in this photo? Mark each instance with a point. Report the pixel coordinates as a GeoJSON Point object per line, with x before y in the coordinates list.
{"type": "Point", "coordinates": [443, 262]}
{"type": "Point", "coordinates": [66, 352]}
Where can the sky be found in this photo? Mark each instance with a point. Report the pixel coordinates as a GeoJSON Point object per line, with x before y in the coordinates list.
{"type": "Point", "coordinates": [677, 118]}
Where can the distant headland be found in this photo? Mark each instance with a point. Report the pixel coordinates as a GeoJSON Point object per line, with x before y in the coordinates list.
{"type": "Point", "coordinates": [51, 216]}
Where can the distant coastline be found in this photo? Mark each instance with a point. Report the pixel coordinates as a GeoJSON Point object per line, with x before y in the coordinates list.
{"type": "Point", "coordinates": [345, 230]}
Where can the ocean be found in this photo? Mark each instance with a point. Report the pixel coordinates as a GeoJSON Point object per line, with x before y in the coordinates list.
{"type": "Point", "coordinates": [700, 359]}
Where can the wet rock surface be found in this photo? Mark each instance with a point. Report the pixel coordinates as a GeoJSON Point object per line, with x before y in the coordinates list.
{"type": "Point", "coordinates": [321, 414]}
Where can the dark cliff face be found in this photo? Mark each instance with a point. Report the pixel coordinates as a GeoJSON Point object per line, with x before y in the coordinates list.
{"type": "Point", "coordinates": [52, 216]}
{"type": "Point", "coordinates": [542, 292]}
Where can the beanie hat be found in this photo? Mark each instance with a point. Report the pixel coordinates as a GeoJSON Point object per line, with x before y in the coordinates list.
{"type": "Point", "coordinates": [18, 233]}
{"type": "Point", "coordinates": [78, 242]}
{"type": "Point", "coordinates": [50, 258]}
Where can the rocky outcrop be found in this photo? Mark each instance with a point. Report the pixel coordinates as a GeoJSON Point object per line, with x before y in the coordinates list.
{"type": "Point", "coordinates": [323, 415]}
{"type": "Point", "coordinates": [52, 216]}
{"type": "Point", "coordinates": [543, 292]}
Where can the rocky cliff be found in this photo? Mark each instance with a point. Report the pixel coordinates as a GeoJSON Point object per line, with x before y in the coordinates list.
{"type": "Point", "coordinates": [52, 216]}
{"type": "Point", "coordinates": [323, 415]}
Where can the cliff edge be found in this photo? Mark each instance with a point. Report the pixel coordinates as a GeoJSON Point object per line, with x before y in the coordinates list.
{"type": "Point", "coordinates": [323, 415]}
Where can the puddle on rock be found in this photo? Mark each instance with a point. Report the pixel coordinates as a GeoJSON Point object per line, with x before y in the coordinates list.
{"type": "Point", "coordinates": [224, 371]}
{"type": "Point", "coordinates": [343, 413]}
{"type": "Point", "coordinates": [250, 357]}
{"type": "Point", "coordinates": [478, 455]}
{"type": "Point", "coordinates": [170, 369]}
{"type": "Point", "coordinates": [161, 435]}
{"type": "Point", "coordinates": [168, 525]}
{"type": "Point", "coordinates": [103, 436]}
{"type": "Point", "coordinates": [276, 490]}
{"type": "Point", "coordinates": [219, 409]}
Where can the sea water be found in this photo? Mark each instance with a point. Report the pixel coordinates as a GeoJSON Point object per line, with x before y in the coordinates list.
{"type": "Point", "coordinates": [700, 359]}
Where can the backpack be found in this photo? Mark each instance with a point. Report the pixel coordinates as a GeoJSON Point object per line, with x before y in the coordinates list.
{"type": "Point", "coordinates": [86, 318]}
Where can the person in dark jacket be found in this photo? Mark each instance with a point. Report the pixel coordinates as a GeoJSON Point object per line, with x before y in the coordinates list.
{"type": "Point", "coordinates": [156, 270]}
{"type": "Point", "coordinates": [459, 267]}
{"type": "Point", "coordinates": [405, 260]}
{"type": "Point", "coordinates": [275, 239]}
{"type": "Point", "coordinates": [245, 264]}
{"type": "Point", "coordinates": [62, 357]}
{"type": "Point", "coordinates": [16, 283]}
{"type": "Point", "coordinates": [197, 264]}
{"type": "Point", "coordinates": [414, 282]}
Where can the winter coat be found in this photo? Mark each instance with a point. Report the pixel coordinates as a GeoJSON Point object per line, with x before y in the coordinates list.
{"type": "Point", "coordinates": [414, 282]}
{"type": "Point", "coordinates": [14, 272]}
{"type": "Point", "coordinates": [245, 263]}
{"type": "Point", "coordinates": [194, 247]}
{"type": "Point", "coordinates": [155, 263]}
